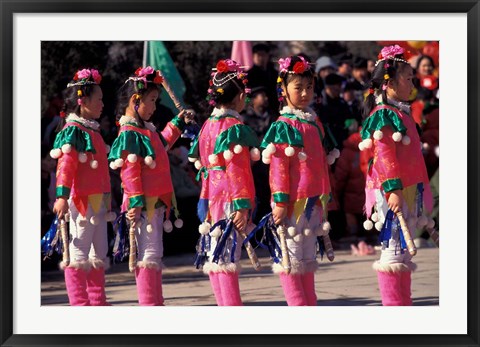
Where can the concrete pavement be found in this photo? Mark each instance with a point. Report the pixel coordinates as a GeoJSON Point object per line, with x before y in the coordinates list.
{"type": "Point", "coordinates": [347, 281]}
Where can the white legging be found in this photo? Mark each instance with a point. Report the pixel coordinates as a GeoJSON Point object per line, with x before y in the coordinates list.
{"type": "Point", "coordinates": [150, 244]}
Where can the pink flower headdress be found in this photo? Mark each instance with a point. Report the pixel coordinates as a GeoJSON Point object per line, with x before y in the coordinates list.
{"type": "Point", "coordinates": [84, 77]}
{"type": "Point", "coordinates": [230, 69]}
{"type": "Point", "coordinates": [285, 66]}
{"type": "Point", "coordinates": [143, 75]}
{"type": "Point", "coordinates": [394, 52]}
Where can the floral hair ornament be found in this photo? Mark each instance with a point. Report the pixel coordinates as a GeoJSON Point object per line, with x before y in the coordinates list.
{"type": "Point", "coordinates": [231, 69]}
{"type": "Point", "coordinates": [394, 52]}
{"type": "Point", "coordinates": [85, 77]}
{"type": "Point", "coordinates": [141, 77]}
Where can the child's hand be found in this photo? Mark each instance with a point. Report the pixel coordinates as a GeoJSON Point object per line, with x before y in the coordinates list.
{"type": "Point", "coordinates": [279, 213]}
{"type": "Point", "coordinates": [395, 200]}
{"type": "Point", "coordinates": [181, 115]}
{"type": "Point", "coordinates": [60, 208]}
{"type": "Point", "coordinates": [240, 219]}
{"type": "Point", "coordinates": [134, 213]}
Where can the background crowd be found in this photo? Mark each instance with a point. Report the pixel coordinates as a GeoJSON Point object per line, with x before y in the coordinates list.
{"type": "Point", "coordinates": [342, 70]}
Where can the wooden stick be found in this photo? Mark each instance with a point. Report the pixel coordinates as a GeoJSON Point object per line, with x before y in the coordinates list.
{"type": "Point", "coordinates": [65, 242]}
{"type": "Point", "coordinates": [406, 234]}
{"type": "Point", "coordinates": [252, 255]}
{"type": "Point", "coordinates": [328, 247]}
{"type": "Point", "coordinates": [175, 100]}
{"type": "Point", "coordinates": [281, 230]}
{"type": "Point", "coordinates": [132, 258]}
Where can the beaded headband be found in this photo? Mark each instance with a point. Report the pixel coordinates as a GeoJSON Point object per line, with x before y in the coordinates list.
{"type": "Point", "coordinates": [232, 70]}
{"type": "Point", "coordinates": [141, 75]}
{"type": "Point", "coordinates": [82, 78]}
{"type": "Point", "coordinates": [391, 53]}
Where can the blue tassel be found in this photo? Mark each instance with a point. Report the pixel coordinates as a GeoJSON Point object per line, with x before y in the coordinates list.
{"type": "Point", "coordinates": [234, 246]}
{"type": "Point", "coordinates": [419, 198]}
{"type": "Point", "coordinates": [202, 209]}
{"type": "Point", "coordinates": [309, 206]}
{"type": "Point", "coordinates": [191, 131]}
{"type": "Point", "coordinates": [321, 246]}
{"type": "Point", "coordinates": [49, 241]}
{"type": "Point", "coordinates": [386, 232]}
{"type": "Point", "coordinates": [220, 247]}
{"type": "Point", "coordinates": [121, 246]}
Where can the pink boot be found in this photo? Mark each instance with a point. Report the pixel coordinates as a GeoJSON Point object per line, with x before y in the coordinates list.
{"type": "Point", "coordinates": [406, 282]}
{"type": "Point", "coordinates": [146, 286]}
{"type": "Point", "coordinates": [390, 288]}
{"type": "Point", "coordinates": [96, 287]}
{"type": "Point", "coordinates": [293, 289]}
{"type": "Point", "coordinates": [76, 283]}
{"type": "Point", "coordinates": [159, 289]}
{"type": "Point", "coordinates": [230, 288]}
{"type": "Point", "coordinates": [217, 290]}
{"type": "Point", "coordinates": [308, 281]}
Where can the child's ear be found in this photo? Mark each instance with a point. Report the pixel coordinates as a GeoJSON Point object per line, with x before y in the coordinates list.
{"type": "Point", "coordinates": [133, 99]}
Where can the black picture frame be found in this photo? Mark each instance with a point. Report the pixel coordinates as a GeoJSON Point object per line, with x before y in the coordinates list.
{"type": "Point", "coordinates": [10, 7]}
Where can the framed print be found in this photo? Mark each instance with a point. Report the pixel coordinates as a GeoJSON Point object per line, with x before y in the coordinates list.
{"type": "Point", "coordinates": [26, 24]}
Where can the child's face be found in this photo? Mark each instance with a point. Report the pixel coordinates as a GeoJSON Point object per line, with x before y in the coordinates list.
{"type": "Point", "coordinates": [92, 105]}
{"type": "Point", "coordinates": [300, 92]}
{"type": "Point", "coordinates": [401, 87]}
{"type": "Point", "coordinates": [260, 100]}
{"type": "Point", "coordinates": [148, 104]}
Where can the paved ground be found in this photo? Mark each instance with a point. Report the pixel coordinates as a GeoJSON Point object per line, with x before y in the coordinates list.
{"type": "Point", "coordinates": [347, 281]}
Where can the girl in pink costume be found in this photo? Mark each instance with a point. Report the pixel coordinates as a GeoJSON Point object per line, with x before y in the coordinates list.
{"type": "Point", "coordinates": [222, 155]}
{"type": "Point", "coordinates": [299, 178]}
{"type": "Point", "coordinates": [83, 189]}
{"type": "Point", "coordinates": [140, 150]}
{"type": "Point", "coordinates": [397, 178]}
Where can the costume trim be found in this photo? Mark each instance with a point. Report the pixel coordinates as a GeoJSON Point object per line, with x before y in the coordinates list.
{"type": "Point", "coordinates": [78, 138]}
{"type": "Point", "coordinates": [241, 203]}
{"type": "Point", "coordinates": [384, 116]}
{"type": "Point", "coordinates": [281, 197]}
{"type": "Point", "coordinates": [63, 191]}
{"type": "Point", "coordinates": [392, 184]}
{"type": "Point", "coordinates": [132, 142]}
{"type": "Point", "coordinates": [282, 132]}
{"type": "Point", "coordinates": [237, 134]}
{"type": "Point", "coordinates": [226, 267]}
{"type": "Point", "coordinates": [395, 267]}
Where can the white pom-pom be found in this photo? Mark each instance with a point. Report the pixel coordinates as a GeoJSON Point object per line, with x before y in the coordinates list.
{"type": "Point", "coordinates": [178, 223]}
{"type": "Point", "coordinates": [266, 160]}
{"type": "Point", "coordinates": [298, 238]}
{"type": "Point", "coordinates": [289, 151]}
{"type": "Point", "coordinates": [255, 154]}
{"type": "Point", "coordinates": [271, 148]}
{"type": "Point", "coordinates": [330, 159]}
{"type": "Point", "coordinates": [204, 228]}
{"type": "Point", "coordinates": [192, 160]}
{"type": "Point", "coordinates": [153, 165]}
{"type": "Point", "coordinates": [437, 151]}
{"type": "Point", "coordinates": [397, 136]}
{"type": "Point", "coordinates": [198, 165]}
{"type": "Point", "coordinates": [66, 148]}
{"type": "Point", "coordinates": [94, 164]}
{"type": "Point", "coordinates": [95, 220]}
{"type": "Point", "coordinates": [431, 223]}
{"type": "Point", "coordinates": [302, 156]}
{"type": "Point", "coordinates": [368, 143]}
{"type": "Point", "coordinates": [82, 157]}
{"type": "Point", "coordinates": [213, 159]}
{"type": "Point", "coordinates": [379, 226]}
{"type": "Point", "coordinates": [167, 226]}
{"type": "Point", "coordinates": [149, 228]}
{"type": "Point", "coordinates": [107, 149]}
{"type": "Point", "coordinates": [378, 135]}
{"type": "Point", "coordinates": [113, 166]}
{"type": "Point", "coordinates": [110, 216]}
{"type": "Point", "coordinates": [406, 140]}
{"type": "Point", "coordinates": [375, 217]}
{"type": "Point", "coordinates": [132, 157]}
{"type": "Point", "coordinates": [368, 225]}
{"type": "Point", "coordinates": [292, 231]}
{"type": "Point", "coordinates": [217, 232]}
{"type": "Point", "coordinates": [326, 227]}
{"type": "Point", "coordinates": [425, 146]}
{"type": "Point", "coordinates": [361, 146]}
{"type": "Point", "coordinates": [238, 149]}
{"type": "Point", "coordinates": [422, 221]}
{"type": "Point", "coordinates": [228, 155]}
{"type": "Point", "coordinates": [307, 232]}
{"type": "Point", "coordinates": [119, 162]}
{"type": "Point", "coordinates": [56, 153]}
{"type": "Point", "coordinates": [266, 154]}
{"type": "Point", "coordinates": [336, 153]}
{"type": "Point", "coordinates": [148, 160]}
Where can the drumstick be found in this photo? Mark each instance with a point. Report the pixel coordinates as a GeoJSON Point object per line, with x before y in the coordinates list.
{"type": "Point", "coordinates": [65, 242]}
{"type": "Point", "coordinates": [406, 234]}
{"type": "Point", "coordinates": [328, 247]}
{"type": "Point", "coordinates": [283, 245]}
{"type": "Point", "coordinates": [132, 258]}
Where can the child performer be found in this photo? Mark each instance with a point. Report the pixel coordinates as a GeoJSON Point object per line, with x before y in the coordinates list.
{"type": "Point", "coordinates": [83, 188]}
{"type": "Point", "coordinates": [140, 150]}
{"type": "Point", "coordinates": [397, 179]}
{"type": "Point", "coordinates": [222, 156]}
{"type": "Point", "coordinates": [299, 179]}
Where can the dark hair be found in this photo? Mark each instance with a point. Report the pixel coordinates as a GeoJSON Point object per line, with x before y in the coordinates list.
{"type": "Point", "coordinates": [377, 81]}
{"type": "Point", "coordinates": [224, 93]}
{"type": "Point", "coordinates": [131, 87]}
{"type": "Point", "coordinates": [261, 47]}
{"type": "Point", "coordinates": [422, 57]}
{"type": "Point", "coordinates": [70, 100]}
{"type": "Point", "coordinates": [285, 77]}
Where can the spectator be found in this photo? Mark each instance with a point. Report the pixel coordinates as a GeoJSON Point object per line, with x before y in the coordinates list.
{"type": "Point", "coordinates": [360, 77]}
{"type": "Point", "coordinates": [353, 104]}
{"type": "Point", "coordinates": [324, 66]}
{"type": "Point", "coordinates": [257, 114]}
{"type": "Point", "coordinates": [425, 66]}
{"type": "Point", "coordinates": [345, 66]}
{"type": "Point", "coordinates": [263, 73]}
